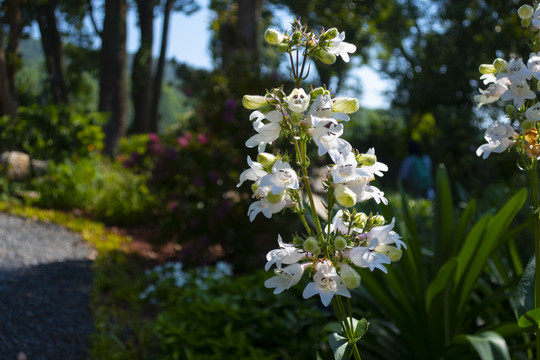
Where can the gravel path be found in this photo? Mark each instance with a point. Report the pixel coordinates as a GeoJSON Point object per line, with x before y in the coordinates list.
{"type": "Point", "coordinates": [45, 287]}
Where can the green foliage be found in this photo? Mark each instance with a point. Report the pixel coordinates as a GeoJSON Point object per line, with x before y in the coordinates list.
{"type": "Point", "coordinates": [444, 286]}
{"type": "Point", "coordinates": [52, 132]}
{"type": "Point", "coordinates": [108, 191]}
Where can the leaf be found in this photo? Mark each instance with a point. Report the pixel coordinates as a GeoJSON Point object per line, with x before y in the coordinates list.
{"type": "Point", "coordinates": [530, 320]}
{"type": "Point", "coordinates": [489, 346]}
{"type": "Point", "coordinates": [360, 328]}
{"type": "Point", "coordinates": [523, 300]}
{"type": "Point", "coordinates": [444, 216]}
{"type": "Point", "coordinates": [338, 344]}
{"type": "Point", "coordinates": [442, 281]}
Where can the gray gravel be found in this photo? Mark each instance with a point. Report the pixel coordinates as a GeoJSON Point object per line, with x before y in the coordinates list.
{"type": "Point", "coordinates": [45, 286]}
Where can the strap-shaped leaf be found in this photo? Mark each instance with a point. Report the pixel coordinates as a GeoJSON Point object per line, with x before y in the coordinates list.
{"type": "Point", "coordinates": [444, 216]}
{"type": "Point", "coordinates": [443, 280]}
{"type": "Point", "coordinates": [523, 299]}
{"type": "Point", "coordinates": [530, 320]}
{"type": "Point", "coordinates": [489, 346]}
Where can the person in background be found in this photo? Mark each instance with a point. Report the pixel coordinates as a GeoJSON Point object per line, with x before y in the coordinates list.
{"type": "Point", "coordinates": [415, 173]}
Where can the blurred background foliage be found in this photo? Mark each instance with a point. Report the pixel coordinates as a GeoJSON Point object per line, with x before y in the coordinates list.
{"type": "Point", "coordinates": [148, 142]}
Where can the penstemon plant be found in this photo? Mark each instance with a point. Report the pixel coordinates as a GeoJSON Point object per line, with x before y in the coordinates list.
{"type": "Point", "coordinates": [517, 83]}
{"type": "Point", "coordinates": [337, 239]}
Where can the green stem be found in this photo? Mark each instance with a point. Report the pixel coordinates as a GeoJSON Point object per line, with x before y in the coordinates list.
{"type": "Point", "coordinates": [533, 184]}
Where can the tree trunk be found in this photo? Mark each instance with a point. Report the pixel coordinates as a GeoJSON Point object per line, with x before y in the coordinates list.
{"type": "Point", "coordinates": [14, 39]}
{"type": "Point", "coordinates": [112, 86]}
{"type": "Point", "coordinates": [52, 48]}
{"type": "Point", "coordinates": [158, 79]}
{"type": "Point", "coordinates": [8, 101]}
{"type": "Point", "coordinates": [141, 76]}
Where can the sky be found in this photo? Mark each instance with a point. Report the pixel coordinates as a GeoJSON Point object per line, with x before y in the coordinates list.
{"type": "Point", "coordinates": [189, 39]}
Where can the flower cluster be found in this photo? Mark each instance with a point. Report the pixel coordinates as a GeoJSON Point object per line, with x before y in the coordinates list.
{"type": "Point", "coordinates": [514, 81]}
{"type": "Point", "coordinates": [349, 240]}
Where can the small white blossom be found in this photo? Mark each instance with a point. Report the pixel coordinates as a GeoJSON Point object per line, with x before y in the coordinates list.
{"type": "Point", "coordinates": [378, 167]}
{"type": "Point", "coordinates": [517, 70]}
{"type": "Point", "coordinates": [326, 283]}
{"type": "Point", "coordinates": [286, 254]}
{"type": "Point", "coordinates": [533, 113]}
{"type": "Point", "coordinates": [298, 100]}
{"type": "Point", "coordinates": [385, 235]}
{"type": "Point", "coordinates": [254, 173]}
{"type": "Point", "coordinates": [282, 177]}
{"type": "Point", "coordinates": [499, 137]}
{"type": "Point", "coordinates": [265, 207]}
{"type": "Point", "coordinates": [534, 64]}
{"type": "Point", "coordinates": [341, 48]}
{"type": "Point", "coordinates": [321, 110]}
{"type": "Point", "coordinates": [267, 133]}
{"type": "Point", "coordinates": [493, 93]}
{"type": "Point", "coordinates": [285, 278]}
{"type": "Point", "coordinates": [367, 257]}
{"type": "Point", "coordinates": [518, 92]}
{"type": "Point", "coordinates": [327, 137]}
{"type": "Point", "coordinates": [346, 169]}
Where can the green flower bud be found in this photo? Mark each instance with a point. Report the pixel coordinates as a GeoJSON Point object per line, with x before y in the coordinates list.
{"type": "Point", "coordinates": [297, 35]}
{"type": "Point", "coordinates": [393, 253]}
{"type": "Point", "coordinates": [296, 118]}
{"type": "Point", "coordinates": [525, 12]}
{"type": "Point", "coordinates": [330, 34]}
{"type": "Point", "coordinates": [366, 159]}
{"type": "Point", "coordinates": [510, 110]}
{"type": "Point", "coordinates": [360, 220]}
{"type": "Point", "coordinates": [377, 220]}
{"type": "Point", "coordinates": [487, 69]}
{"type": "Point", "coordinates": [318, 91]}
{"type": "Point", "coordinates": [340, 243]}
{"type": "Point", "coordinates": [345, 105]}
{"type": "Point", "coordinates": [326, 57]}
{"type": "Point", "coordinates": [275, 199]}
{"type": "Point", "coordinates": [344, 196]}
{"type": "Point", "coordinates": [298, 240]}
{"type": "Point", "coordinates": [266, 108]}
{"type": "Point", "coordinates": [267, 160]}
{"type": "Point", "coordinates": [312, 245]}
{"type": "Point", "coordinates": [349, 277]}
{"type": "Point", "coordinates": [273, 37]}
{"type": "Point", "coordinates": [253, 102]}
{"type": "Point", "coordinates": [254, 187]}
{"type": "Point", "coordinates": [527, 125]}
{"type": "Point", "coordinates": [283, 47]}
{"type": "Point", "coordinates": [500, 64]}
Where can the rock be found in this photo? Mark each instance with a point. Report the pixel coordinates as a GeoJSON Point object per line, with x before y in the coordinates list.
{"type": "Point", "coordinates": [16, 165]}
{"type": "Point", "coordinates": [39, 167]}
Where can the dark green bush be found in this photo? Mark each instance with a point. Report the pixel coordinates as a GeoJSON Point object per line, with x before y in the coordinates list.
{"type": "Point", "coordinates": [52, 132]}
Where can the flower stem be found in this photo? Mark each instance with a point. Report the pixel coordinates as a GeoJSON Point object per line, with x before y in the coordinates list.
{"type": "Point", "coordinates": [533, 184]}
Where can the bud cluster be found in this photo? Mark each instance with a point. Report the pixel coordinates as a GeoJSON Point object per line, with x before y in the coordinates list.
{"type": "Point", "coordinates": [349, 240]}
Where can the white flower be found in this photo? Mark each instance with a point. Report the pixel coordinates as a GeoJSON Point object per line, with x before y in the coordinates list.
{"type": "Point", "coordinates": [385, 235]}
{"type": "Point", "coordinates": [341, 48]}
{"type": "Point", "coordinates": [298, 100]}
{"type": "Point", "coordinates": [282, 177]}
{"type": "Point", "coordinates": [536, 18]}
{"type": "Point", "coordinates": [493, 93]}
{"type": "Point", "coordinates": [327, 283]}
{"type": "Point", "coordinates": [367, 257]}
{"type": "Point", "coordinates": [346, 169]}
{"type": "Point", "coordinates": [265, 207]}
{"type": "Point", "coordinates": [327, 137]}
{"type": "Point", "coordinates": [254, 173]}
{"type": "Point", "coordinates": [267, 133]}
{"type": "Point", "coordinates": [517, 70]}
{"type": "Point", "coordinates": [534, 64]}
{"type": "Point", "coordinates": [378, 167]}
{"type": "Point", "coordinates": [364, 191]}
{"type": "Point", "coordinates": [285, 278]}
{"type": "Point", "coordinates": [321, 110]}
{"type": "Point", "coordinates": [499, 137]}
{"type": "Point", "coordinates": [518, 92]}
{"type": "Point", "coordinates": [533, 113]}
{"type": "Point", "coordinates": [286, 254]}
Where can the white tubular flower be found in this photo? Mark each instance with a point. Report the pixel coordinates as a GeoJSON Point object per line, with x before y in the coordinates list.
{"type": "Point", "coordinates": [327, 137]}
{"type": "Point", "coordinates": [346, 169]}
{"type": "Point", "coordinates": [265, 207]}
{"type": "Point", "coordinates": [535, 22]}
{"type": "Point", "coordinates": [254, 173]}
{"type": "Point", "coordinates": [518, 92]}
{"type": "Point", "coordinates": [346, 105]}
{"type": "Point", "coordinates": [493, 93]}
{"type": "Point", "coordinates": [378, 167]}
{"type": "Point", "coordinates": [282, 177]}
{"type": "Point", "coordinates": [286, 254]}
{"type": "Point", "coordinates": [499, 137]}
{"type": "Point", "coordinates": [298, 100]}
{"type": "Point", "coordinates": [341, 48]}
{"type": "Point", "coordinates": [321, 110]}
{"type": "Point", "coordinates": [533, 113]}
{"type": "Point", "coordinates": [385, 235]}
{"type": "Point", "coordinates": [327, 283]}
{"type": "Point", "coordinates": [285, 278]}
{"type": "Point", "coordinates": [267, 133]}
{"type": "Point", "coordinates": [488, 78]}
{"type": "Point", "coordinates": [534, 64]}
{"type": "Point", "coordinates": [517, 70]}
{"type": "Point", "coordinates": [367, 257]}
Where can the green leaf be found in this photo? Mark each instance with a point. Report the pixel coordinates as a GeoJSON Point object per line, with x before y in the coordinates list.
{"type": "Point", "coordinates": [442, 281]}
{"type": "Point", "coordinates": [523, 299]}
{"type": "Point", "coordinates": [530, 320]}
{"type": "Point", "coordinates": [444, 216]}
{"type": "Point", "coordinates": [338, 344]}
{"type": "Point", "coordinates": [489, 346]}
{"type": "Point", "coordinates": [360, 328]}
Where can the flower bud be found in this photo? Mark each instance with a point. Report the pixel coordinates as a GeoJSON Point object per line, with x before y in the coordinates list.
{"type": "Point", "coordinates": [345, 105]}
{"type": "Point", "coordinates": [377, 220]}
{"type": "Point", "coordinates": [318, 91]}
{"type": "Point", "coordinates": [312, 245]}
{"type": "Point", "coordinates": [366, 159]}
{"type": "Point", "coordinates": [275, 199]}
{"type": "Point", "coordinates": [525, 12]}
{"type": "Point", "coordinates": [267, 160]}
{"type": "Point", "coordinates": [510, 110]}
{"type": "Point", "coordinates": [349, 277]}
{"type": "Point", "coordinates": [527, 125]}
{"type": "Point", "coordinates": [283, 47]}
{"type": "Point", "coordinates": [344, 196]}
{"type": "Point", "coordinates": [500, 64]}
{"type": "Point", "coordinates": [392, 252]}
{"type": "Point", "coordinates": [253, 102]}
{"type": "Point", "coordinates": [254, 187]}
{"type": "Point", "coordinates": [330, 34]}
{"type": "Point", "coordinates": [298, 240]}
{"type": "Point", "coordinates": [326, 57]}
{"type": "Point", "coordinates": [487, 69]}
{"type": "Point", "coordinates": [340, 243]}
{"type": "Point", "coordinates": [273, 37]}
{"type": "Point", "coordinates": [297, 35]}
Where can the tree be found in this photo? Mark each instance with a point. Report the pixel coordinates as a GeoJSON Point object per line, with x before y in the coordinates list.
{"type": "Point", "coordinates": [112, 87]}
